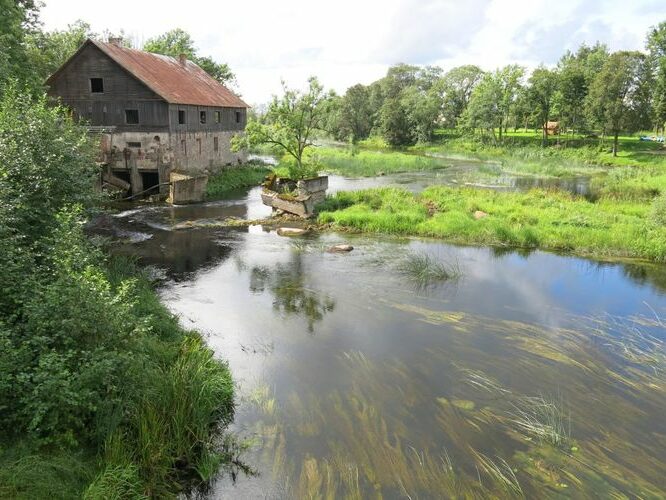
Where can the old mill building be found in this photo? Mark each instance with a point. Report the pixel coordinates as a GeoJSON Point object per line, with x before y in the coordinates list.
{"type": "Point", "coordinates": [153, 113]}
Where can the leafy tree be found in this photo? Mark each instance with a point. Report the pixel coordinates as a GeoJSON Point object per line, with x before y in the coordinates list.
{"type": "Point", "coordinates": [18, 18]}
{"type": "Point", "coordinates": [289, 126]}
{"type": "Point", "coordinates": [619, 99]}
{"type": "Point", "coordinates": [395, 123]}
{"type": "Point", "coordinates": [493, 100]}
{"type": "Point", "coordinates": [354, 114]}
{"type": "Point", "coordinates": [576, 72]}
{"type": "Point", "coordinates": [176, 42]}
{"type": "Point", "coordinates": [455, 89]}
{"type": "Point", "coordinates": [541, 93]}
{"type": "Point", "coordinates": [48, 50]}
{"type": "Point", "coordinates": [656, 46]}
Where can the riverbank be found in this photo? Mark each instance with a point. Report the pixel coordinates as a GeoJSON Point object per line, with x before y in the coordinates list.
{"type": "Point", "coordinates": [546, 219]}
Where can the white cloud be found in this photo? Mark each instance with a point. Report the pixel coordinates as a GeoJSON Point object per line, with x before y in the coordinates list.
{"type": "Point", "coordinates": [350, 41]}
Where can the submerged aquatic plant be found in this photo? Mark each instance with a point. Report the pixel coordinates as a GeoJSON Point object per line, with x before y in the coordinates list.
{"type": "Point", "coordinates": [424, 270]}
{"type": "Point", "coordinates": [543, 418]}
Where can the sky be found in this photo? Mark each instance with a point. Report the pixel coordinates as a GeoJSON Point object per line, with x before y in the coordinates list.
{"type": "Point", "coordinates": [345, 42]}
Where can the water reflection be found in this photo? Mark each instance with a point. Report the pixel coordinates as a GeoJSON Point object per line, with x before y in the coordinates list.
{"type": "Point", "coordinates": [286, 283]}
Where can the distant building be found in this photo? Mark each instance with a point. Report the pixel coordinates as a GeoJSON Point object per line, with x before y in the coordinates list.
{"type": "Point", "coordinates": [154, 113]}
{"type": "Point", "coordinates": [552, 128]}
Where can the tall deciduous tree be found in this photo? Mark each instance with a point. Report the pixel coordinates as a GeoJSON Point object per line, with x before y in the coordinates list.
{"type": "Point", "coordinates": [619, 97]}
{"type": "Point", "coordinates": [493, 98]}
{"type": "Point", "coordinates": [176, 42]}
{"type": "Point", "coordinates": [355, 114]}
{"type": "Point", "coordinates": [656, 46]}
{"type": "Point", "coordinates": [455, 89]}
{"type": "Point", "coordinates": [541, 94]}
{"type": "Point", "coordinates": [18, 18]}
{"type": "Point", "coordinates": [289, 126]}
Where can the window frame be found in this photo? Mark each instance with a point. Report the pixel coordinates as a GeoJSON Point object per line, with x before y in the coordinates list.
{"type": "Point", "coordinates": [218, 117]}
{"type": "Point", "coordinates": [203, 118]}
{"type": "Point", "coordinates": [239, 118]}
{"type": "Point", "coordinates": [182, 114]}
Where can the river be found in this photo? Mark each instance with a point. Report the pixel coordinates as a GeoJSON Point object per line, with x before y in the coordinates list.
{"type": "Point", "coordinates": [531, 374]}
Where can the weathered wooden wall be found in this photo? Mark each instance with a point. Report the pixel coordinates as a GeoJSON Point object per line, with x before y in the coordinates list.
{"type": "Point", "coordinates": [193, 121]}
{"type": "Point", "coordinates": [121, 91]}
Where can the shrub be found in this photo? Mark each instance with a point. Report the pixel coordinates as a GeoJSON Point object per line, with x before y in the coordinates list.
{"type": "Point", "coordinates": [658, 210]}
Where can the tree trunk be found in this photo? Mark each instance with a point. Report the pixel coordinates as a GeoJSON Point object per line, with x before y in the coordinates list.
{"type": "Point", "coordinates": [615, 143]}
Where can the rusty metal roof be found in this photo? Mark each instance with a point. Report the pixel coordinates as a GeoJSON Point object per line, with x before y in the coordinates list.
{"type": "Point", "coordinates": [176, 83]}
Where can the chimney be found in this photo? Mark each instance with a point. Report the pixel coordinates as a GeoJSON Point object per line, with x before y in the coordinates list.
{"type": "Point", "coordinates": [182, 59]}
{"type": "Point", "coordinates": [116, 40]}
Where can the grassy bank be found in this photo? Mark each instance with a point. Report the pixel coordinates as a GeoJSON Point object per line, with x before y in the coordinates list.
{"type": "Point", "coordinates": [102, 393]}
{"type": "Point", "coordinates": [550, 220]}
{"type": "Point", "coordinates": [233, 178]}
{"type": "Point", "coordinates": [355, 162]}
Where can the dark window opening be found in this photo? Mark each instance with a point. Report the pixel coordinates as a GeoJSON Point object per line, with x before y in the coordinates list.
{"type": "Point", "coordinates": [132, 116]}
{"type": "Point", "coordinates": [217, 117]}
{"type": "Point", "coordinates": [133, 144]}
{"type": "Point", "coordinates": [181, 117]}
{"type": "Point", "coordinates": [216, 145]}
{"type": "Point", "coordinates": [199, 144]}
{"type": "Point", "coordinates": [151, 182]}
{"type": "Point", "coordinates": [96, 85]}
{"type": "Point", "coordinates": [202, 117]}
{"type": "Point", "coordinates": [238, 116]}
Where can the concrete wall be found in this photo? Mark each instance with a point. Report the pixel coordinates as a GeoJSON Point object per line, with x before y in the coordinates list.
{"type": "Point", "coordinates": [188, 152]}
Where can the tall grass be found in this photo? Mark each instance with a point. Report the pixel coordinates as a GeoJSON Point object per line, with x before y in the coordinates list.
{"type": "Point", "coordinates": [232, 178]}
{"type": "Point", "coordinates": [424, 270]}
{"type": "Point", "coordinates": [362, 163]}
{"type": "Point", "coordinates": [548, 219]}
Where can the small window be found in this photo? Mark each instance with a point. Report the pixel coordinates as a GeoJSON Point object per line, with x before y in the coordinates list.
{"type": "Point", "coordinates": [216, 145]}
{"type": "Point", "coordinates": [132, 116]}
{"type": "Point", "coordinates": [181, 117]}
{"type": "Point", "coordinates": [238, 116]}
{"type": "Point", "coordinates": [183, 146]}
{"type": "Point", "coordinates": [217, 117]}
{"type": "Point", "coordinates": [199, 144]}
{"type": "Point", "coordinates": [202, 117]}
{"type": "Point", "coordinates": [133, 144]}
{"type": "Point", "coordinates": [96, 85]}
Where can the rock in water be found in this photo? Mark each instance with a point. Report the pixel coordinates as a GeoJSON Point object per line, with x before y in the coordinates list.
{"type": "Point", "coordinates": [341, 248]}
{"type": "Point", "coordinates": [480, 214]}
{"type": "Point", "coordinates": [291, 231]}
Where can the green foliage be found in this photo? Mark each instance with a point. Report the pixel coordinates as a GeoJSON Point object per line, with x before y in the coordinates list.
{"type": "Point", "coordinates": [545, 219]}
{"type": "Point", "coordinates": [493, 99]}
{"type": "Point", "coordinates": [19, 18]}
{"type": "Point", "coordinates": [289, 126]}
{"type": "Point", "coordinates": [46, 163]}
{"type": "Point", "coordinates": [178, 41]}
{"type": "Point", "coordinates": [364, 163]}
{"type": "Point", "coordinates": [619, 98]}
{"type": "Point", "coordinates": [48, 50]}
{"type": "Point", "coordinates": [455, 89]}
{"type": "Point", "coordinates": [235, 178]}
{"type": "Point", "coordinates": [91, 364]}
{"type": "Point", "coordinates": [541, 94]}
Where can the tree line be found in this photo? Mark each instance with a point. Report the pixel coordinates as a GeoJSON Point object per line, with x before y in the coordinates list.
{"type": "Point", "coordinates": [589, 90]}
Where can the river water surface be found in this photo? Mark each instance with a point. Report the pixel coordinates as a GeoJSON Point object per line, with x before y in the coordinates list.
{"type": "Point", "coordinates": [533, 375]}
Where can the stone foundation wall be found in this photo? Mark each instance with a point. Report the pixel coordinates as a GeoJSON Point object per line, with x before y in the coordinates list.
{"type": "Point", "coordinates": [196, 151]}
{"type": "Point", "coordinates": [184, 151]}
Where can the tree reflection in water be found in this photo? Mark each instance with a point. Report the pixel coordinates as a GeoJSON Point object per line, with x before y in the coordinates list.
{"type": "Point", "coordinates": [290, 295]}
